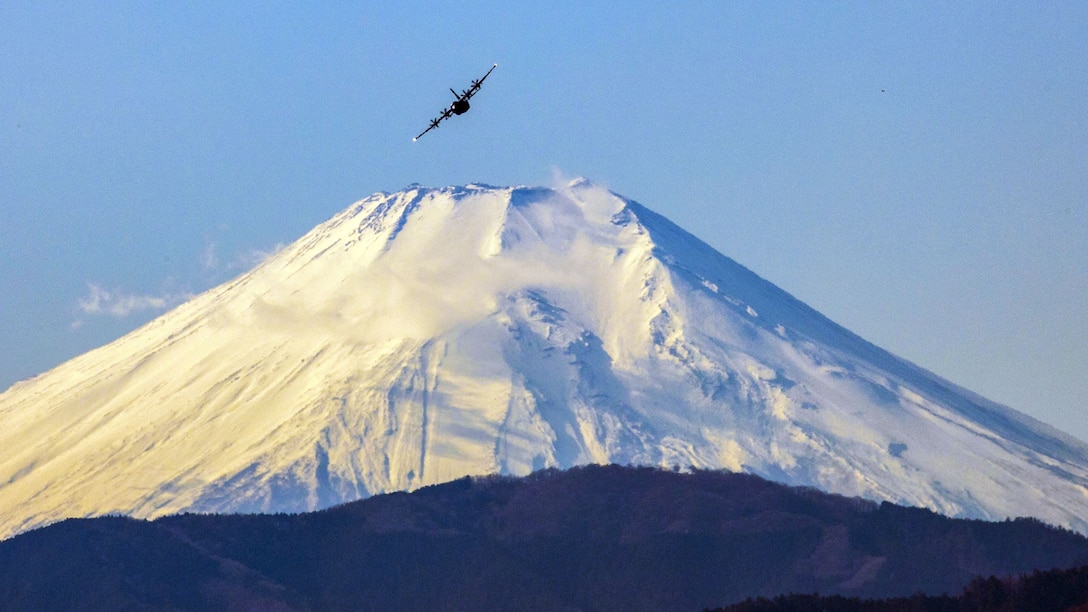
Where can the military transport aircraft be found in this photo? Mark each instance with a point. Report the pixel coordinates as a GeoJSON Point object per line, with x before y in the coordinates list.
{"type": "Point", "coordinates": [459, 106]}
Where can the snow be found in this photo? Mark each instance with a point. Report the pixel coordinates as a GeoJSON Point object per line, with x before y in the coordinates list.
{"type": "Point", "coordinates": [423, 335]}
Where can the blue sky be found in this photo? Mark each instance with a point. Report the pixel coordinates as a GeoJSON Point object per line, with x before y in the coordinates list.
{"type": "Point", "coordinates": [916, 171]}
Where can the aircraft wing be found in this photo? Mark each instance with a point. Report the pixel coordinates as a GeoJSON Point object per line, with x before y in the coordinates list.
{"type": "Point", "coordinates": [429, 128]}
{"type": "Point", "coordinates": [476, 84]}
{"type": "Point", "coordinates": [465, 95]}
{"type": "Point", "coordinates": [434, 123]}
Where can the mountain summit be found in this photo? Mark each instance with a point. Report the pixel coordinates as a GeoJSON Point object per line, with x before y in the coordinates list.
{"type": "Point", "coordinates": [424, 335]}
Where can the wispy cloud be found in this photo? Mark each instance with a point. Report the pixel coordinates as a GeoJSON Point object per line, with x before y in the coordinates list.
{"type": "Point", "coordinates": [208, 259]}
{"type": "Point", "coordinates": [116, 303]}
{"type": "Point", "coordinates": [247, 260]}
{"type": "Point", "coordinates": [254, 257]}
{"type": "Point", "coordinates": [101, 301]}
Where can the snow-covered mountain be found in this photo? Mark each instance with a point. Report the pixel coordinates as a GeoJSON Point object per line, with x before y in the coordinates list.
{"type": "Point", "coordinates": [424, 335]}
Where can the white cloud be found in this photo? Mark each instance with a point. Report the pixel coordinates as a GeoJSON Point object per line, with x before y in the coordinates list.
{"type": "Point", "coordinates": [208, 258]}
{"type": "Point", "coordinates": [100, 301]}
{"type": "Point", "coordinates": [120, 304]}
{"type": "Point", "coordinates": [254, 257]}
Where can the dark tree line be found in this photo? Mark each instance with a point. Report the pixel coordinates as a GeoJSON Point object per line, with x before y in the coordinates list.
{"type": "Point", "coordinates": [590, 538]}
{"type": "Point", "coordinates": [1042, 591]}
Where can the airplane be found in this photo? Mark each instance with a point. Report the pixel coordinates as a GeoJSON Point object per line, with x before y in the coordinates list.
{"type": "Point", "coordinates": [460, 105]}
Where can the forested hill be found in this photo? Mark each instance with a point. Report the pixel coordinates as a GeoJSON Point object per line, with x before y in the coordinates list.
{"type": "Point", "coordinates": [1059, 590]}
{"type": "Point", "coordinates": [590, 538]}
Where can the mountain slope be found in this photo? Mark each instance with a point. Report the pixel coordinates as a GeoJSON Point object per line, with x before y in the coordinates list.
{"type": "Point", "coordinates": [424, 335]}
{"type": "Point", "coordinates": [591, 538]}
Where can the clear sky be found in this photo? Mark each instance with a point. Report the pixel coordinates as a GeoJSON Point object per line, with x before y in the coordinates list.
{"type": "Point", "coordinates": [918, 172]}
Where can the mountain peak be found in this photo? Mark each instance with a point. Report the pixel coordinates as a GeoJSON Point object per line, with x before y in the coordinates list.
{"type": "Point", "coordinates": [423, 335]}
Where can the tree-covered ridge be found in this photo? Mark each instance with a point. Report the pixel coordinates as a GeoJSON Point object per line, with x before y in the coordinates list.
{"type": "Point", "coordinates": [1057, 590]}
{"type": "Point", "coordinates": [590, 538]}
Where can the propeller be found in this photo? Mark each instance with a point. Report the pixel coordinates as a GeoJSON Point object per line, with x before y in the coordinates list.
{"type": "Point", "coordinates": [460, 105]}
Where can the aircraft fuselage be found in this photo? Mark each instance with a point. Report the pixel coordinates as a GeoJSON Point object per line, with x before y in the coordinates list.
{"type": "Point", "coordinates": [459, 105]}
